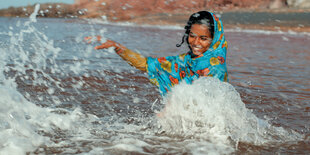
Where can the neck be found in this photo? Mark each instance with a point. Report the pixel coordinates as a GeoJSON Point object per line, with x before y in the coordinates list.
{"type": "Point", "coordinates": [192, 54]}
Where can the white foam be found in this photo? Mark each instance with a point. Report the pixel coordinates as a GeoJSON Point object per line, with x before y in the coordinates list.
{"type": "Point", "coordinates": [17, 136]}
{"type": "Point", "coordinates": [130, 144]}
{"type": "Point", "coordinates": [213, 110]}
{"type": "Point", "coordinates": [21, 122]}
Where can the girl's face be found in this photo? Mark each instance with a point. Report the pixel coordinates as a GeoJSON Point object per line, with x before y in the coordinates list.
{"type": "Point", "coordinates": [199, 38]}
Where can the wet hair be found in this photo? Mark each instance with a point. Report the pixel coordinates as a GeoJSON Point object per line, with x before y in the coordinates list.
{"type": "Point", "coordinates": [201, 17]}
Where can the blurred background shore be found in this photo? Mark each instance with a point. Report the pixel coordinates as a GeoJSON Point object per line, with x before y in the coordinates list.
{"type": "Point", "coordinates": [275, 15]}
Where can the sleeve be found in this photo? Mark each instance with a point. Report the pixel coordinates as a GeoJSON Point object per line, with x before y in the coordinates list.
{"type": "Point", "coordinates": [134, 59]}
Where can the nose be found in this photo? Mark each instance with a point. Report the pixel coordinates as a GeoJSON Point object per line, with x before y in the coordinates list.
{"type": "Point", "coordinates": [196, 41]}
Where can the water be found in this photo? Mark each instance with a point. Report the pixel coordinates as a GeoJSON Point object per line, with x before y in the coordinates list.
{"type": "Point", "coordinates": [294, 19]}
{"type": "Point", "coordinates": [58, 95]}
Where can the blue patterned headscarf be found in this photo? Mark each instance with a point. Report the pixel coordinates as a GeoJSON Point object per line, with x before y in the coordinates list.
{"type": "Point", "coordinates": [165, 72]}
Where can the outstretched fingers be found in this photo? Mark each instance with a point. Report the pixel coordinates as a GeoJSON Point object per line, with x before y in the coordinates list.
{"type": "Point", "coordinates": [88, 39]}
{"type": "Point", "coordinates": [107, 44]}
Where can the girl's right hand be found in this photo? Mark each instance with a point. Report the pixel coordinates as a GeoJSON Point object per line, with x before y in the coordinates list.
{"type": "Point", "coordinates": [108, 44]}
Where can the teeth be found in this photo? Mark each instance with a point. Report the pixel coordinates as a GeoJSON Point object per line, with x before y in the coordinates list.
{"type": "Point", "coordinates": [197, 47]}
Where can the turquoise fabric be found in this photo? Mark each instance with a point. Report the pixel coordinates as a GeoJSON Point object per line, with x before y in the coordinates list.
{"type": "Point", "coordinates": [165, 72]}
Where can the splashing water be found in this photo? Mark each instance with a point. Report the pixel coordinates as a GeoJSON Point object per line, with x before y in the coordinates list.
{"type": "Point", "coordinates": [212, 111]}
{"type": "Point", "coordinates": [22, 123]}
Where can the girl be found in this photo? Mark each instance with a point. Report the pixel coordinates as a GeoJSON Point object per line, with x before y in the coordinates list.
{"type": "Point", "coordinates": [205, 38]}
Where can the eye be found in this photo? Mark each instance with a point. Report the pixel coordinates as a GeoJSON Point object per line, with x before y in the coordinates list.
{"type": "Point", "coordinates": [204, 38]}
{"type": "Point", "coordinates": [191, 35]}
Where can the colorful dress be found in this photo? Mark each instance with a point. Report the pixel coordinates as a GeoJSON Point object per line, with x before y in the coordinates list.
{"type": "Point", "coordinates": [165, 72]}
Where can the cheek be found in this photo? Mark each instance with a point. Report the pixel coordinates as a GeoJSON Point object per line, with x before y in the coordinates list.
{"type": "Point", "coordinates": [190, 40]}
{"type": "Point", "coordinates": [206, 44]}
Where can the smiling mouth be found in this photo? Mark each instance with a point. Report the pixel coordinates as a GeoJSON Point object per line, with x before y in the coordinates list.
{"type": "Point", "coordinates": [196, 48]}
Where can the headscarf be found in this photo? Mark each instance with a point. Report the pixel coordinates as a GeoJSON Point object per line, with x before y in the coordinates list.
{"type": "Point", "coordinates": [165, 72]}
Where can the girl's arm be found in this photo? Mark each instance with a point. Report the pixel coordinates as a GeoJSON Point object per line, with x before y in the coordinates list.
{"type": "Point", "coordinates": [132, 58]}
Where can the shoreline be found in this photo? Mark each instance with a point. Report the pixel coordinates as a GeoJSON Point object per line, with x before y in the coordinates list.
{"type": "Point", "coordinates": [181, 19]}
{"type": "Point", "coordinates": [236, 18]}
{"type": "Point", "coordinates": [151, 22]}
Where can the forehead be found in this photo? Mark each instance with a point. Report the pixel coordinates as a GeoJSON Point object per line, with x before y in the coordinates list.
{"type": "Point", "coordinates": [200, 29]}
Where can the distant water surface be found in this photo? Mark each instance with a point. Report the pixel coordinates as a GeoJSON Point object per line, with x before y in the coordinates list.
{"type": "Point", "coordinates": [298, 19]}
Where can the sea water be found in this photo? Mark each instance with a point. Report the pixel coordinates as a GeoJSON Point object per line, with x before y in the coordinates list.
{"type": "Point", "coordinates": [59, 95]}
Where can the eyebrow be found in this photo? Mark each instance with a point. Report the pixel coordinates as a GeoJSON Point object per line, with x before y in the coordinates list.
{"type": "Point", "coordinates": [197, 35]}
